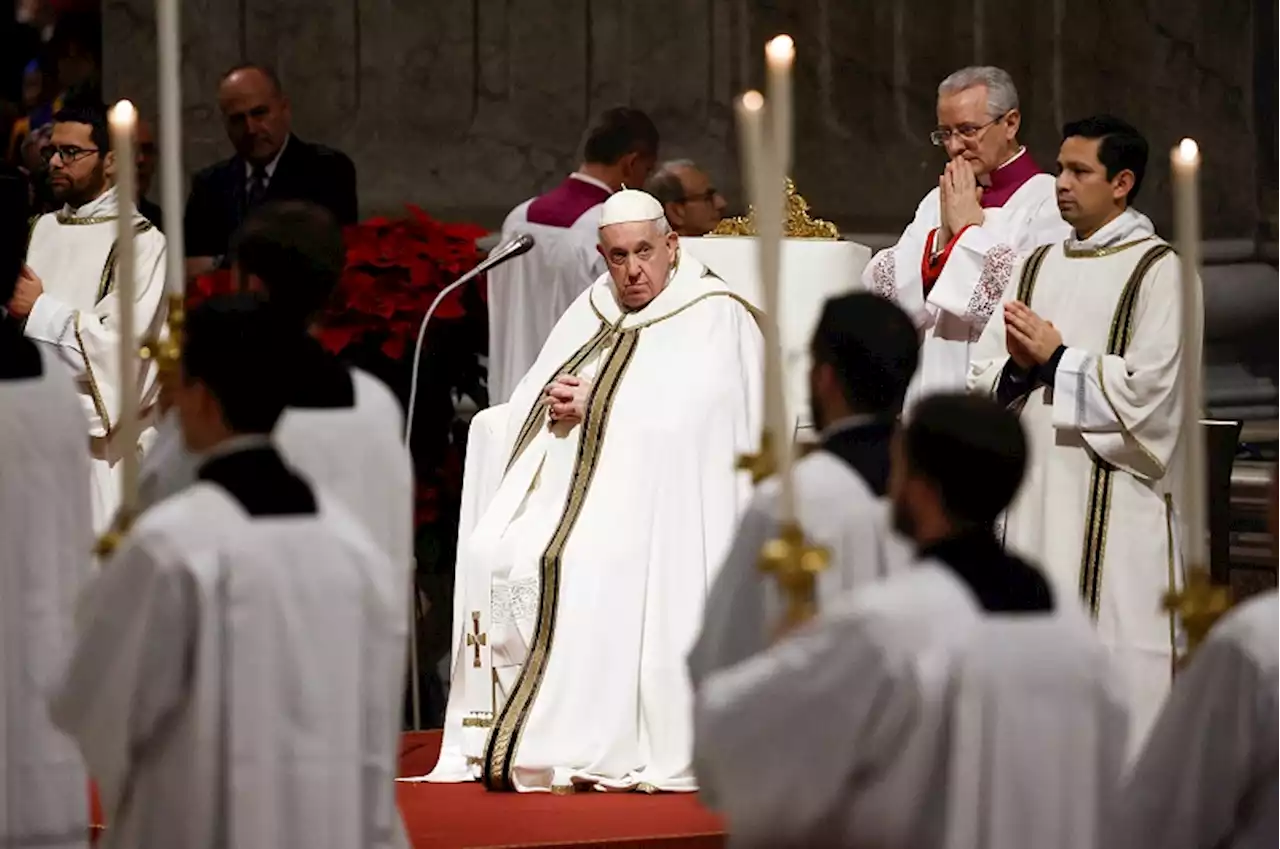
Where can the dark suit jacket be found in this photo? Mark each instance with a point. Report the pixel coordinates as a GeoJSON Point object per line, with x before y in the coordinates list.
{"type": "Point", "coordinates": [219, 194]}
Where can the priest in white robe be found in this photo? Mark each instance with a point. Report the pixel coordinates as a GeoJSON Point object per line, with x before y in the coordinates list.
{"type": "Point", "coordinates": [44, 545]}
{"type": "Point", "coordinates": [580, 590]}
{"type": "Point", "coordinates": [222, 685]}
{"type": "Point", "coordinates": [1206, 778]}
{"type": "Point", "coordinates": [68, 300]}
{"type": "Point", "coordinates": [837, 734]}
{"type": "Point", "coordinates": [1089, 346]}
{"type": "Point", "coordinates": [342, 429]}
{"type": "Point", "coordinates": [863, 356]}
{"type": "Point", "coordinates": [992, 202]}
{"type": "Point", "coordinates": [528, 295]}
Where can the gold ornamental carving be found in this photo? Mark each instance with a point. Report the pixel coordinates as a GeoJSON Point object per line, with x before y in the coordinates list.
{"type": "Point", "coordinates": [798, 223]}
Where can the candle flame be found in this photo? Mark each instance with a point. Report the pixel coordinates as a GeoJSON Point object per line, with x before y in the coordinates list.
{"type": "Point", "coordinates": [780, 49]}
{"type": "Point", "coordinates": [123, 114]}
{"type": "Point", "coordinates": [753, 100]}
{"type": "Point", "coordinates": [1188, 150]}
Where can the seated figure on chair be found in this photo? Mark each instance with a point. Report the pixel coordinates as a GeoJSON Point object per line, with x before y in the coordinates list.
{"type": "Point", "coordinates": [598, 504]}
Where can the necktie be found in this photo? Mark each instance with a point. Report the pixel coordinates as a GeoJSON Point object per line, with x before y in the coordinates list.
{"type": "Point", "coordinates": [257, 185]}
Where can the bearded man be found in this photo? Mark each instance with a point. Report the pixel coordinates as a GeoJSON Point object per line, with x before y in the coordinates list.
{"type": "Point", "coordinates": [581, 588]}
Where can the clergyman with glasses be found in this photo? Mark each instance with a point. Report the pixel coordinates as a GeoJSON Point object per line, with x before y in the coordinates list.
{"type": "Point", "coordinates": [692, 204]}
{"type": "Point", "coordinates": [67, 298]}
{"type": "Point", "coordinates": [992, 203]}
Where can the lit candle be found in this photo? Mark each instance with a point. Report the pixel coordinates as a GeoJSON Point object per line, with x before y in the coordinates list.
{"type": "Point", "coordinates": [767, 196]}
{"type": "Point", "coordinates": [168, 18]}
{"type": "Point", "coordinates": [1185, 165]}
{"type": "Point", "coordinates": [124, 119]}
{"type": "Point", "coordinates": [780, 55]}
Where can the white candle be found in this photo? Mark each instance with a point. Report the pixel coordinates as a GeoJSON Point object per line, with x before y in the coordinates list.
{"type": "Point", "coordinates": [767, 196]}
{"type": "Point", "coordinates": [168, 17]}
{"type": "Point", "coordinates": [780, 54]}
{"type": "Point", "coordinates": [124, 119]}
{"type": "Point", "coordinates": [1185, 166]}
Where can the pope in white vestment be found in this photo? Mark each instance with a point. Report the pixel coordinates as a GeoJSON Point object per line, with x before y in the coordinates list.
{"type": "Point", "coordinates": [1207, 777]}
{"type": "Point", "coordinates": [44, 499]}
{"type": "Point", "coordinates": [73, 254]}
{"type": "Point", "coordinates": [1097, 510]}
{"type": "Point", "coordinates": [580, 589]}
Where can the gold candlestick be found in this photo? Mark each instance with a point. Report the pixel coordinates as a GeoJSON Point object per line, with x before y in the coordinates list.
{"type": "Point", "coordinates": [795, 565]}
{"type": "Point", "coordinates": [1200, 604]}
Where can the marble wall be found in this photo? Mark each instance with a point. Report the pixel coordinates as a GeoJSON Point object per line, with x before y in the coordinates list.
{"type": "Point", "coordinates": [469, 106]}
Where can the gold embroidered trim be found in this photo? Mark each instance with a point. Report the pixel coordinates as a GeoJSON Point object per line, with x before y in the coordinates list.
{"type": "Point", "coordinates": [755, 313]}
{"type": "Point", "coordinates": [504, 739]}
{"type": "Point", "coordinates": [476, 722]}
{"type": "Point", "coordinates": [76, 222]}
{"type": "Point", "coordinates": [538, 412]}
{"type": "Point", "coordinates": [107, 282]}
{"type": "Point", "coordinates": [1030, 273]}
{"type": "Point", "coordinates": [93, 383]}
{"type": "Point", "coordinates": [472, 760]}
{"type": "Point", "coordinates": [1097, 253]}
{"type": "Point", "coordinates": [1145, 451]}
{"type": "Point", "coordinates": [1098, 515]}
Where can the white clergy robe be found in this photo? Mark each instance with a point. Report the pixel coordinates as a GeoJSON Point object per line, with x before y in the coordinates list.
{"type": "Point", "coordinates": [1097, 506]}
{"type": "Point", "coordinates": [836, 735]}
{"type": "Point", "coordinates": [1206, 778]}
{"type": "Point", "coordinates": [580, 590]}
{"type": "Point", "coordinates": [222, 686]}
{"type": "Point", "coordinates": [73, 253]}
{"type": "Point", "coordinates": [1039, 720]}
{"type": "Point", "coordinates": [951, 312]}
{"type": "Point", "coordinates": [528, 295]}
{"type": "Point", "coordinates": [358, 456]}
{"type": "Point", "coordinates": [838, 511]}
{"type": "Point", "coordinates": [44, 560]}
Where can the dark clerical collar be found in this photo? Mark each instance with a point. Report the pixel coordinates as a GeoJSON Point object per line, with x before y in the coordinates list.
{"type": "Point", "coordinates": [320, 380]}
{"type": "Point", "coordinates": [1008, 178]}
{"type": "Point", "coordinates": [1002, 583]}
{"type": "Point", "coordinates": [253, 473]}
{"type": "Point", "coordinates": [19, 356]}
{"type": "Point", "coordinates": [863, 443]}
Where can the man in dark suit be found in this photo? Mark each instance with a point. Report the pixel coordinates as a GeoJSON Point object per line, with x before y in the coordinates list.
{"type": "Point", "coordinates": [270, 164]}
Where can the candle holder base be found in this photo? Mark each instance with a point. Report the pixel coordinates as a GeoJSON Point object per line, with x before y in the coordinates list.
{"type": "Point", "coordinates": [1200, 604]}
{"type": "Point", "coordinates": [795, 565]}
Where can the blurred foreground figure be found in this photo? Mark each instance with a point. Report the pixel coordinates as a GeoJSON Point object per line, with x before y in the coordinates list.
{"type": "Point", "coordinates": [220, 690]}
{"type": "Point", "coordinates": [45, 540]}
{"type": "Point", "coordinates": [837, 735]}
{"type": "Point", "coordinates": [864, 353]}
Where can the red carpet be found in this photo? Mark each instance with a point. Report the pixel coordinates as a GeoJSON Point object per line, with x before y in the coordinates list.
{"type": "Point", "coordinates": [454, 816]}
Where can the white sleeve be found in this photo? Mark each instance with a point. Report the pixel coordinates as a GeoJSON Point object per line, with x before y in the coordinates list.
{"type": "Point", "coordinates": [88, 340]}
{"type": "Point", "coordinates": [894, 273]}
{"type": "Point", "coordinates": [130, 668]}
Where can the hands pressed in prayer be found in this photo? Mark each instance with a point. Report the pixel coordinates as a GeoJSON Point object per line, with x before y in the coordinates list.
{"type": "Point", "coordinates": [1029, 335]}
{"type": "Point", "coordinates": [959, 198]}
{"type": "Point", "coordinates": [25, 293]}
{"type": "Point", "coordinates": [566, 396]}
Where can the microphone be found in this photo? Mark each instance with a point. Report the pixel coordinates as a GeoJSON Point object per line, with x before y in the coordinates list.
{"type": "Point", "coordinates": [518, 246]}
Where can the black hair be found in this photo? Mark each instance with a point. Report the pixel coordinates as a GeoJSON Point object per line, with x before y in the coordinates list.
{"type": "Point", "coordinates": [971, 449]}
{"type": "Point", "coordinates": [873, 347]}
{"type": "Point", "coordinates": [92, 114]}
{"type": "Point", "coordinates": [1122, 147]}
{"type": "Point", "coordinates": [296, 249]}
{"type": "Point", "coordinates": [241, 349]}
{"type": "Point", "coordinates": [266, 70]}
{"type": "Point", "coordinates": [620, 131]}
{"type": "Point", "coordinates": [14, 228]}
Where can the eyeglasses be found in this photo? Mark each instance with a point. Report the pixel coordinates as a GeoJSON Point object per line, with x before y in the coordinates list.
{"type": "Point", "coordinates": [708, 196]}
{"type": "Point", "coordinates": [69, 153]}
{"type": "Point", "coordinates": [968, 132]}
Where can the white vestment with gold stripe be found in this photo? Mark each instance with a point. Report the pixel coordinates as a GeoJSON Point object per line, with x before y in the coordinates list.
{"type": "Point", "coordinates": [72, 252]}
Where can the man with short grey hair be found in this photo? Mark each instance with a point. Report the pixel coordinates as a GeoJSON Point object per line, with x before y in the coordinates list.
{"type": "Point", "coordinates": [992, 202]}
{"type": "Point", "coordinates": [692, 204]}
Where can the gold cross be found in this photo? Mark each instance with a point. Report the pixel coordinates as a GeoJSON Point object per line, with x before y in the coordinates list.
{"type": "Point", "coordinates": [1200, 604]}
{"type": "Point", "coordinates": [761, 464]}
{"type": "Point", "coordinates": [795, 565]}
{"type": "Point", "coordinates": [476, 639]}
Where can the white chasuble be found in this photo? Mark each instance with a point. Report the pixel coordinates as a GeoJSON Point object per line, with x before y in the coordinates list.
{"type": "Point", "coordinates": [580, 590]}
{"type": "Point", "coordinates": [221, 691]}
{"type": "Point", "coordinates": [837, 734]}
{"type": "Point", "coordinates": [951, 312]}
{"type": "Point", "coordinates": [73, 253]}
{"type": "Point", "coordinates": [44, 561]}
{"type": "Point", "coordinates": [1096, 509]}
{"type": "Point", "coordinates": [838, 511]}
{"type": "Point", "coordinates": [1207, 776]}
